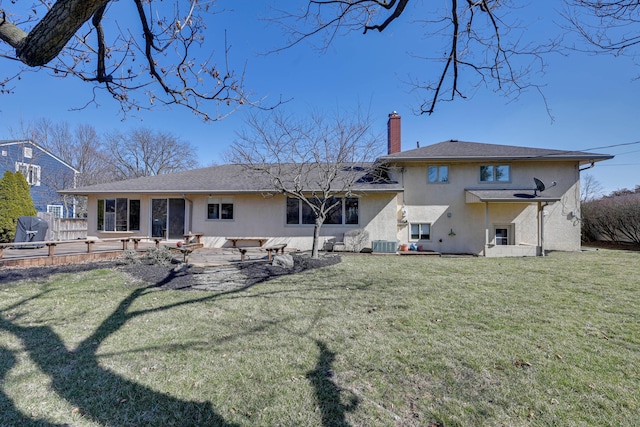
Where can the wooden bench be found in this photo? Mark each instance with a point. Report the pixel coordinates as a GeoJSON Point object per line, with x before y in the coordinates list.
{"type": "Point", "coordinates": [189, 236]}
{"type": "Point", "coordinates": [274, 249]}
{"type": "Point", "coordinates": [124, 240]}
{"type": "Point", "coordinates": [235, 240]}
{"type": "Point", "coordinates": [4, 246]}
{"type": "Point", "coordinates": [51, 245]}
{"type": "Point", "coordinates": [136, 242]}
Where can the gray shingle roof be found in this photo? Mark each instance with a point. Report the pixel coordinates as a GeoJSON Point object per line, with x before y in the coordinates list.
{"type": "Point", "coordinates": [223, 179]}
{"type": "Point", "coordinates": [465, 151]}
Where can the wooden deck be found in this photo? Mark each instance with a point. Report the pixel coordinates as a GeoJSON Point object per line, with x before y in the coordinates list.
{"type": "Point", "coordinates": [67, 251]}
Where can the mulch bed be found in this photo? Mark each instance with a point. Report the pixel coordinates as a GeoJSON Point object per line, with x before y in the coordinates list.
{"type": "Point", "coordinates": [176, 276]}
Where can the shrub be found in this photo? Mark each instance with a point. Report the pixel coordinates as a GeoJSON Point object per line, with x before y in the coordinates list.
{"type": "Point", "coordinates": [160, 256]}
{"type": "Point", "coordinates": [15, 201]}
{"type": "Point", "coordinates": [615, 218]}
{"type": "Point", "coordinates": [129, 257]}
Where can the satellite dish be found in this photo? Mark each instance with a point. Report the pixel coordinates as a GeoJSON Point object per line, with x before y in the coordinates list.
{"type": "Point", "coordinates": [540, 187]}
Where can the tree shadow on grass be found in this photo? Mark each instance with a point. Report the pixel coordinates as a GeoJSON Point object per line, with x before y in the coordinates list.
{"type": "Point", "coordinates": [327, 392]}
{"type": "Point", "coordinates": [97, 393]}
{"type": "Point", "coordinates": [10, 414]}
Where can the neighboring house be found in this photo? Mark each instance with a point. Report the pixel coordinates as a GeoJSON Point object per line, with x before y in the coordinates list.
{"type": "Point", "coordinates": [45, 173]}
{"type": "Point", "coordinates": [451, 197]}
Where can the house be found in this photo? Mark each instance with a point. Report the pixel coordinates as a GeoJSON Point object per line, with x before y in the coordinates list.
{"type": "Point", "coordinates": [45, 174]}
{"type": "Point", "coordinates": [450, 197]}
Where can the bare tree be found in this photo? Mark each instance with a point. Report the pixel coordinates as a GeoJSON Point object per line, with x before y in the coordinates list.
{"type": "Point", "coordinates": [590, 188]}
{"type": "Point", "coordinates": [611, 26]}
{"type": "Point", "coordinates": [144, 152]}
{"type": "Point", "coordinates": [316, 161]}
{"type": "Point", "coordinates": [77, 38]}
{"type": "Point", "coordinates": [476, 41]}
{"type": "Point", "coordinates": [81, 148]}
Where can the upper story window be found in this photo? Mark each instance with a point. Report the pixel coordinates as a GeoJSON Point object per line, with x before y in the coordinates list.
{"type": "Point", "coordinates": [220, 208]}
{"type": "Point", "coordinates": [56, 210]}
{"type": "Point", "coordinates": [495, 173]}
{"type": "Point", "coordinates": [27, 152]}
{"type": "Point", "coordinates": [437, 174]}
{"type": "Point", "coordinates": [344, 212]}
{"type": "Point", "coordinates": [30, 172]}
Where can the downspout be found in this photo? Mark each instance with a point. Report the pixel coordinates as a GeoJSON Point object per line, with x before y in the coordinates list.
{"type": "Point", "coordinates": [588, 167]}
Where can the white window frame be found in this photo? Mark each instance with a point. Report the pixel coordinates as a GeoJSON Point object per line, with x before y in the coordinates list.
{"type": "Point", "coordinates": [508, 240]}
{"type": "Point", "coordinates": [30, 172]}
{"type": "Point", "coordinates": [439, 179]}
{"type": "Point", "coordinates": [56, 210]}
{"type": "Point", "coordinates": [420, 225]}
{"type": "Point", "coordinates": [27, 152]}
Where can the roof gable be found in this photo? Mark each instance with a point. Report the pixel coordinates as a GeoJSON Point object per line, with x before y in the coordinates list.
{"type": "Point", "coordinates": [17, 144]}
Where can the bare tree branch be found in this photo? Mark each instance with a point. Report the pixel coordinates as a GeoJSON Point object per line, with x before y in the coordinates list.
{"type": "Point", "coordinates": [609, 26]}
{"type": "Point", "coordinates": [481, 48]}
{"type": "Point", "coordinates": [317, 161]}
{"type": "Point", "coordinates": [82, 39]}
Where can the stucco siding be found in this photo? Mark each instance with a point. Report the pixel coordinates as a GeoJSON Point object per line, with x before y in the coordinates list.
{"type": "Point", "coordinates": [459, 227]}
{"type": "Point", "coordinates": [255, 215]}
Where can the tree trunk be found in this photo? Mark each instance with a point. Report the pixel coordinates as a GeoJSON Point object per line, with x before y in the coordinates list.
{"type": "Point", "coordinates": [316, 238]}
{"type": "Point", "coordinates": [52, 33]}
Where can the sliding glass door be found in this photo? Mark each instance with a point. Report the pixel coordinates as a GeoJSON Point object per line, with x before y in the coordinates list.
{"type": "Point", "coordinates": [167, 218]}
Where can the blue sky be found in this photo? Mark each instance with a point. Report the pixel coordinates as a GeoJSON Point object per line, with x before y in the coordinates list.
{"type": "Point", "coordinates": [593, 98]}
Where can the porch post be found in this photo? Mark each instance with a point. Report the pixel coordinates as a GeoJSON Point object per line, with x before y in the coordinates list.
{"type": "Point", "coordinates": [486, 228]}
{"type": "Point", "coordinates": [541, 228]}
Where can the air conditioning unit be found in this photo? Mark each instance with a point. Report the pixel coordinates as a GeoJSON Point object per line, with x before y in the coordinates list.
{"type": "Point", "coordinates": [384, 246]}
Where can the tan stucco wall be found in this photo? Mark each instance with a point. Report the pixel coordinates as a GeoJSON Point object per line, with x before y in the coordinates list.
{"type": "Point", "coordinates": [456, 226]}
{"type": "Point", "coordinates": [444, 207]}
{"type": "Point", "coordinates": [259, 216]}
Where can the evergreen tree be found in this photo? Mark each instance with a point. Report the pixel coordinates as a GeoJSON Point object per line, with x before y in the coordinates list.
{"type": "Point", "coordinates": [15, 201]}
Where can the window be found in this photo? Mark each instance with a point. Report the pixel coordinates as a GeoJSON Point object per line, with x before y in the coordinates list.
{"type": "Point", "coordinates": [30, 172]}
{"type": "Point", "coordinates": [502, 236]}
{"type": "Point", "coordinates": [220, 208]}
{"type": "Point", "coordinates": [420, 231]}
{"type": "Point", "coordinates": [437, 173]}
{"type": "Point", "coordinates": [118, 214]}
{"type": "Point", "coordinates": [56, 210]}
{"type": "Point", "coordinates": [495, 173]}
{"type": "Point", "coordinates": [27, 152]}
{"type": "Point", "coordinates": [345, 212]}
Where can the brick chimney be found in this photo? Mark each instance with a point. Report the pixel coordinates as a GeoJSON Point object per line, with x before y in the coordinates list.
{"type": "Point", "coordinates": [394, 141]}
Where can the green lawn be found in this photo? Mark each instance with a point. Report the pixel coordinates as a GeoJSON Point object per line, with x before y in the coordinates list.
{"type": "Point", "coordinates": [372, 341]}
